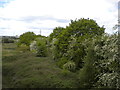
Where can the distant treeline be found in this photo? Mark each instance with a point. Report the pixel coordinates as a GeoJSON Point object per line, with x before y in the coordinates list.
{"type": "Point", "coordinates": [9, 39]}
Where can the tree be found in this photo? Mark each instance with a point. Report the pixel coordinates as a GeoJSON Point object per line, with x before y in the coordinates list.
{"type": "Point", "coordinates": [26, 38]}
{"type": "Point", "coordinates": [69, 40]}
{"type": "Point", "coordinates": [83, 27]}
{"type": "Point", "coordinates": [56, 32]}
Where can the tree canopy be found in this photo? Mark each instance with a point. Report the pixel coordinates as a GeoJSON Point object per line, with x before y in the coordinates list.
{"type": "Point", "coordinates": [26, 38]}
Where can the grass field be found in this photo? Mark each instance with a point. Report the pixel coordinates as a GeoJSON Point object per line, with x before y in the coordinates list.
{"type": "Point", "coordinates": [25, 70]}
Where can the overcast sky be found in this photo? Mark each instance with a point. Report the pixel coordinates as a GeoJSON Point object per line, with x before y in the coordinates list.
{"type": "Point", "coordinates": [19, 16]}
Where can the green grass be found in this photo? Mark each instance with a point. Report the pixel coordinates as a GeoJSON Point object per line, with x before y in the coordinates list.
{"type": "Point", "coordinates": [25, 70]}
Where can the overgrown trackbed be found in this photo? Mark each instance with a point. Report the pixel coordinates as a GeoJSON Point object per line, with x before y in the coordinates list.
{"type": "Point", "coordinates": [25, 70]}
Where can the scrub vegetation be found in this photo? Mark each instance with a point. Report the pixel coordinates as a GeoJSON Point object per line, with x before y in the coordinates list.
{"type": "Point", "coordinates": [81, 55]}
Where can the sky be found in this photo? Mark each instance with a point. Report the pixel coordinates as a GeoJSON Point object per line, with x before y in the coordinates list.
{"type": "Point", "coordinates": [19, 16]}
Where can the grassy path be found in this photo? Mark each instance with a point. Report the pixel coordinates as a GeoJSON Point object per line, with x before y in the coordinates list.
{"type": "Point", "coordinates": [25, 70]}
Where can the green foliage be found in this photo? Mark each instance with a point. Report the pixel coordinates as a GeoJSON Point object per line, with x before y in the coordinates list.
{"type": "Point", "coordinates": [33, 47]}
{"type": "Point", "coordinates": [23, 48]}
{"type": "Point", "coordinates": [76, 52]}
{"type": "Point", "coordinates": [70, 40]}
{"type": "Point", "coordinates": [109, 80]}
{"type": "Point", "coordinates": [69, 66]}
{"type": "Point", "coordinates": [7, 40]}
{"type": "Point", "coordinates": [25, 70]}
{"type": "Point", "coordinates": [41, 47]}
{"type": "Point", "coordinates": [83, 27]}
{"type": "Point", "coordinates": [53, 49]}
{"type": "Point", "coordinates": [26, 38]}
{"type": "Point", "coordinates": [56, 32]}
{"type": "Point", "coordinates": [107, 50]}
{"type": "Point", "coordinates": [62, 61]}
{"type": "Point", "coordinates": [88, 73]}
{"type": "Point", "coordinates": [82, 48]}
{"type": "Point", "coordinates": [65, 72]}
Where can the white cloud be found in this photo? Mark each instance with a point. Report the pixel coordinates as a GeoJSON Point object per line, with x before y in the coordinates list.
{"type": "Point", "coordinates": [16, 14]}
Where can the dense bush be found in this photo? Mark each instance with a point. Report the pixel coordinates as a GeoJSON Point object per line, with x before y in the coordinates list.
{"type": "Point", "coordinates": [23, 48]}
{"type": "Point", "coordinates": [33, 46]}
{"type": "Point", "coordinates": [68, 41]}
{"type": "Point", "coordinates": [109, 80]}
{"type": "Point", "coordinates": [88, 74]}
{"type": "Point", "coordinates": [62, 61]}
{"type": "Point", "coordinates": [26, 38]}
{"type": "Point", "coordinates": [56, 32]}
{"type": "Point", "coordinates": [81, 47]}
{"type": "Point", "coordinates": [76, 52]}
{"type": "Point", "coordinates": [101, 64]}
{"type": "Point", "coordinates": [39, 47]}
{"type": "Point", "coordinates": [53, 48]}
{"type": "Point", "coordinates": [107, 50]}
{"type": "Point", "coordinates": [94, 53]}
{"type": "Point", "coordinates": [69, 66]}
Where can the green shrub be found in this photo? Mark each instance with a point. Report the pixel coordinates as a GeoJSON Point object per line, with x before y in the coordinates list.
{"type": "Point", "coordinates": [56, 32]}
{"type": "Point", "coordinates": [65, 72]}
{"type": "Point", "coordinates": [109, 80]}
{"type": "Point", "coordinates": [70, 39]}
{"type": "Point", "coordinates": [69, 66]}
{"type": "Point", "coordinates": [107, 50]}
{"type": "Point", "coordinates": [53, 49]}
{"type": "Point", "coordinates": [23, 48]}
{"type": "Point", "coordinates": [76, 52]}
{"type": "Point", "coordinates": [62, 61]}
{"type": "Point", "coordinates": [26, 38]}
{"type": "Point", "coordinates": [41, 47]}
{"type": "Point", "coordinates": [87, 75]}
{"type": "Point", "coordinates": [33, 47]}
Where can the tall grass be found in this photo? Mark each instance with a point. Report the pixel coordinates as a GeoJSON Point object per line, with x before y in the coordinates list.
{"type": "Point", "coordinates": [25, 70]}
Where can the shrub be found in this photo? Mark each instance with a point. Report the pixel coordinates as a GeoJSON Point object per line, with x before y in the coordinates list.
{"type": "Point", "coordinates": [69, 66]}
{"type": "Point", "coordinates": [56, 32]}
{"type": "Point", "coordinates": [33, 47]}
{"type": "Point", "coordinates": [109, 80]}
{"type": "Point", "coordinates": [62, 61]}
{"type": "Point", "coordinates": [41, 49]}
{"type": "Point", "coordinates": [107, 50]}
{"type": "Point", "coordinates": [65, 72]}
{"type": "Point", "coordinates": [87, 75]}
{"type": "Point", "coordinates": [53, 49]}
{"type": "Point", "coordinates": [23, 48]}
{"type": "Point", "coordinates": [76, 52]}
{"type": "Point", "coordinates": [26, 38]}
{"type": "Point", "coordinates": [69, 39]}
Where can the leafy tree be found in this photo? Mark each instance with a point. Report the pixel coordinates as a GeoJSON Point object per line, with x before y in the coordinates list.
{"type": "Point", "coordinates": [70, 40]}
{"type": "Point", "coordinates": [56, 32]}
{"type": "Point", "coordinates": [83, 27]}
{"type": "Point", "coordinates": [26, 38]}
